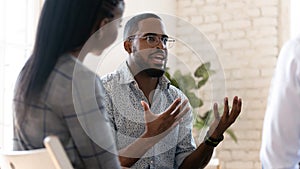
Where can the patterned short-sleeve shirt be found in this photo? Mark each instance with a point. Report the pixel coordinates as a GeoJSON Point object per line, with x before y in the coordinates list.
{"type": "Point", "coordinates": [126, 115]}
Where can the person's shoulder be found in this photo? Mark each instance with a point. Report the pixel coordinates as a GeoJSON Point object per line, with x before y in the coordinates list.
{"type": "Point", "coordinates": [292, 43]}
{"type": "Point", "coordinates": [109, 78]}
{"type": "Point", "coordinates": [291, 50]}
{"type": "Point", "coordinates": [71, 68]}
{"type": "Point", "coordinates": [296, 39]}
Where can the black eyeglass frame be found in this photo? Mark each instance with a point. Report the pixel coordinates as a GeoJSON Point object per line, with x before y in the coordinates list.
{"type": "Point", "coordinates": [166, 40]}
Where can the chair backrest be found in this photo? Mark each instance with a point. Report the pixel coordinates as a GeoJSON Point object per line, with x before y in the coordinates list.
{"type": "Point", "coordinates": [53, 156]}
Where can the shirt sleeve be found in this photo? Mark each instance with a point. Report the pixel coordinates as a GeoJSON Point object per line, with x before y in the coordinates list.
{"type": "Point", "coordinates": [110, 112]}
{"type": "Point", "coordinates": [281, 131]}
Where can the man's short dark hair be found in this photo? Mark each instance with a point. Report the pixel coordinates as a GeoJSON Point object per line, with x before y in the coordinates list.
{"type": "Point", "coordinates": [131, 26]}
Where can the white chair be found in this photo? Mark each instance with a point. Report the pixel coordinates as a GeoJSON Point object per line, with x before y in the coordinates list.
{"type": "Point", "coordinates": [51, 157]}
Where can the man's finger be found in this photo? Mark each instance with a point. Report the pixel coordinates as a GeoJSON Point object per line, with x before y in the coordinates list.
{"type": "Point", "coordinates": [145, 106]}
{"type": "Point", "coordinates": [173, 106]}
{"type": "Point", "coordinates": [147, 113]}
{"type": "Point", "coordinates": [240, 104]}
{"type": "Point", "coordinates": [216, 111]}
{"type": "Point", "coordinates": [226, 107]}
{"type": "Point", "coordinates": [236, 108]}
{"type": "Point", "coordinates": [179, 108]}
{"type": "Point", "coordinates": [182, 113]}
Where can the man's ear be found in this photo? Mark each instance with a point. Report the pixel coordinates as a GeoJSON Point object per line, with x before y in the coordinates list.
{"type": "Point", "coordinates": [99, 25]}
{"type": "Point", "coordinates": [127, 46]}
{"type": "Point", "coordinates": [103, 22]}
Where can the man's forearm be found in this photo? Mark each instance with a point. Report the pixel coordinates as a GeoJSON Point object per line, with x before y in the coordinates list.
{"type": "Point", "coordinates": [198, 158]}
{"type": "Point", "coordinates": [129, 155]}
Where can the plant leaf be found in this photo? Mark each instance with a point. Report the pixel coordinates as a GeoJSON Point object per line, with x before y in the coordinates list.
{"type": "Point", "coordinates": [172, 80]}
{"type": "Point", "coordinates": [185, 82]}
{"type": "Point", "coordinates": [199, 123]}
{"type": "Point", "coordinates": [194, 100]}
{"type": "Point", "coordinates": [202, 69]}
{"type": "Point", "coordinates": [232, 135]}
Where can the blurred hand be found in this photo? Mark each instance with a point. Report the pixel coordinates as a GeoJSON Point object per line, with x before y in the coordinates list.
{"type": "Point", "coordinates": [159, 125]}
{"type": "Point", "coordinates": [221, 124]}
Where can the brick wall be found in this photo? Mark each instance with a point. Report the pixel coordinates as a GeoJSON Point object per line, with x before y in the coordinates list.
{"type": "Point", "coordinates": [246, 36]}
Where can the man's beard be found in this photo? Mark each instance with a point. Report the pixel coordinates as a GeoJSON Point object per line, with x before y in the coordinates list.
{"type": "Point", "coordinates": [153, 72]}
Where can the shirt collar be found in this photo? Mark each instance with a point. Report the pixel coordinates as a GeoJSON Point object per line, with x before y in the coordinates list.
{"type": "Point", "coordinates": [126, 77]}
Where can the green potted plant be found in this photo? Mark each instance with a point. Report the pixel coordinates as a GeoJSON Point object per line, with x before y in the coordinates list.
{"type": "Point", "coordinates": [188, 83]}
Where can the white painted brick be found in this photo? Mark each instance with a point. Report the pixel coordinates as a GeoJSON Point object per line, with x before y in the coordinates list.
{"type": "Point", "coordinates": [211, 27]}
{"type": "Point", "coordinates": [183, 31]}
{"type": "Point", "coordinates": [248, 124]}
{"type": "Point", "coordinates": [263, 62]}
{"type": "Point", "coordinates": [257, 164]}
{"type": "Point", "coordinates": [266, 41]}
{"type": "Point", "coordinates": [224, 35]}
{"type": "Point", "coordinates": [239, 54]}
{"type": "Point", "coordinates": [199, 2]}
{"type": "Point", "coordinates": [209, 9]}
{"type": "Point", "coordinates": [244, 73]}
{"type": "Point", "coordinates": [265, 2]}
{"type": "Point", "coordinates": [235, 5]}
{"type": "Point", "coordinates": [267, 72]}
{"type": "Point", "coordinates": [224, 155]}
{"type": "Point", "coordinates": [237, 34]}
{"type": "Point", "coordinates": [210, 1]}
{"type": "Point", "coordinates": [197, 20]}
{"type": "Point", "coordinates": [210, 18]}
{"type": "Point", "coordinates": [249, 83]}
{"type": "Point", "coordinates": [268, 31]}
{"type": "Point", "coordinates": [240, 24]}
{"type": "Point", "coordinates": [265, 21]}
{"type": "Point", "coordinates": [211, 36]}
{"type": "Point", "coordinates": [253, 12]}
{"type": "Point", "coordinates": [239, 165]}
{"type": "Point", "coordinates": [181, 4]}
{"type": "Point", "coordinates": [249, 155]}
{"type": "Point", "coordinates": [269, 11]}
{"type": "Point", "coordinates": [256, 94]}
{"type": "Point", "coordinates": [249, 135]}
{"type": "Point", "coordinates": [229, 144]}
{"type": "Point", "coordinates": [229, 63]}
{"type": "Point", "coordinates": [257, 113]}
{"type": "Point", "coordinates": [225, 16]}
{"type": "Point", "coordinates": [182, 21]}
{"type": "Point", "coordinates": [262, 32]}
{"type": "Point", "coordinates": [270, 51]}
{"type": "Point", "coordinates": [189, 11]}
{"type": "Point", "coordinates": [236, 44]}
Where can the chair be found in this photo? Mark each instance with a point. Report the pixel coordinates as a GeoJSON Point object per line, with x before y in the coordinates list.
{"type": "Point", "coordinates": [53, 156]}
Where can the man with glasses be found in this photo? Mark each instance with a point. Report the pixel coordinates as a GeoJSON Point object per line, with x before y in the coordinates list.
{"type": "Point", "coordinates": [152, 120]}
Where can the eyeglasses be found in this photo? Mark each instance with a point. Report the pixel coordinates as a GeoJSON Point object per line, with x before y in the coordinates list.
{"type": "Point", "coordinates": [153, 40]}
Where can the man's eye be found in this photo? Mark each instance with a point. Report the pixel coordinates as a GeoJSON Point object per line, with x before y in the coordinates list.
{"type": "Point", "coordinates": [151, 38]}
{"type": "Point", "coordinates": [165, 40]}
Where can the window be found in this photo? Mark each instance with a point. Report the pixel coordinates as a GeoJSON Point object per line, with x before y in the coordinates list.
{"type": "Point", "coordinates": [18, 23]}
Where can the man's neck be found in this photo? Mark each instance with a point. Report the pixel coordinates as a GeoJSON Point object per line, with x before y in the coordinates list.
{"type": "Point", "coordinates": [147, 84]}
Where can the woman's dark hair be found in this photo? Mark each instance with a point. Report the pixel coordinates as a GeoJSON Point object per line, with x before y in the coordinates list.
{"type": "Point", "coordinates": [64, 26]}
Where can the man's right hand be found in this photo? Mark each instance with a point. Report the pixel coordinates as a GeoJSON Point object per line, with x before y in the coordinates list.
{"type": "Point", "coordinates": [159, 125]}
